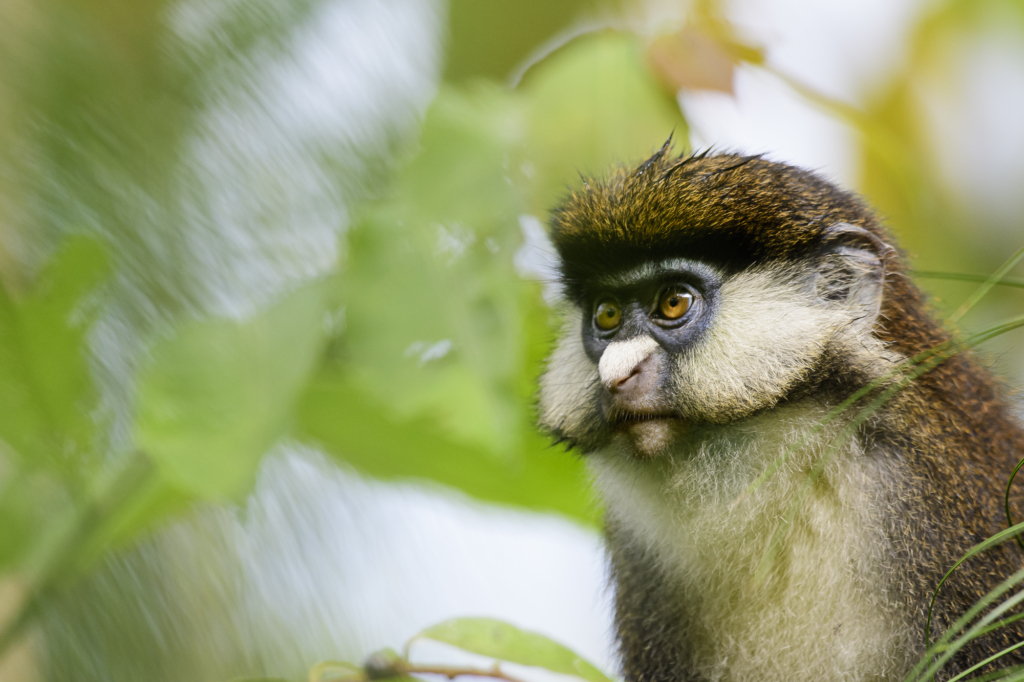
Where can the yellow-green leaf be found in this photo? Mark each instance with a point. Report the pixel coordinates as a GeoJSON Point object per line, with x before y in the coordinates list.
{"type": "Point", "coordinates": [219, 393]}
{"type": "Point", "coordinates": [496, 639]}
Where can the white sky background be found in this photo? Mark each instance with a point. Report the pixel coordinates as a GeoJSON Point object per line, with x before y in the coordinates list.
{"type": "Point", "coordinates": [337, 566]}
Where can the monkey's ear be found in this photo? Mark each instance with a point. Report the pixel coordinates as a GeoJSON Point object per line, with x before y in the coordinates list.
{"type": "Point", "coordinates": [851, 268]}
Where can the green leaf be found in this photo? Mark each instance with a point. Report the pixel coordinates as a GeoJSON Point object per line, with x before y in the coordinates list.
{"type": "Point", "coordinates": [435, 310]}
{"type": "Point", "coordinates": [439, 320]}
{"type": "Point", "coordinates": [362, 432]}
{"type": "Point", "coordinates": [28, 503]}
{"type": "Point", "coordinates": [435, 373]}
{"type": "Point", "coordinates": [219, 393]}
{"type": "Point", "coordinates": [475, 49]}
{"type": "Point", "coordinates": [154, 500]}
{"type": "Point", "coordinates": [47, 394]}
{"type": "Point", "coordinates": [496, 639]}
{"type": "Point", "coordinates": [590, 105]}
{"type": "Point", "coordinates": [48, 434]}
{"type": "Point", "coordinates": [325, 671]}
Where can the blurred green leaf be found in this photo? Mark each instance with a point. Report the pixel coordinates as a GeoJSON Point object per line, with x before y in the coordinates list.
{"type": "Point", "coordinates": [435, 372]}
{"type": "Point", "coordinates": [488, 39]}
{"type": "Point", "coordinates": [593, 104]}
{"type": "Point", "coordinates": [435, 310]}
{"type": "Point", "coordinates": [462, 168]}
{"type": "Point", "coordinates": [363, 432]}
{"type": "Point", "coordinates": [47, 395]}
{"type": "Point", "coordinates": [219, 393]}
{"type": "Point", "coordinates": [27, 504]}
{"type": "Point", "coordinates": [495, 639]}
{"type": "Point", "coordinates": [325, 671]}
{"type": "Point", "coordinates": [153, 500]}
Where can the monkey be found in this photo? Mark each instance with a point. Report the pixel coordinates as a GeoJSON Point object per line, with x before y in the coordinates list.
{"type": "Point", "coordinates": [717, 307]}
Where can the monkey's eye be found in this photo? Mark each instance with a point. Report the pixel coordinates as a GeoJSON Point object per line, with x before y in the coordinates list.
{"type": "Point", "coordinates": [607, 315]}
{"type": "Point", "coordinates": [674, 302]}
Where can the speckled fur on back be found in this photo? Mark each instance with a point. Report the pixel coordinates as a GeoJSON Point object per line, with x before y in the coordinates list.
{"type": "Point", "coordinates": [951, 429]}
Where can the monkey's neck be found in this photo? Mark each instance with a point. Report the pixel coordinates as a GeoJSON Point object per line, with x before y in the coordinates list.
{"type": "Point", "coordinates": [748, 595]}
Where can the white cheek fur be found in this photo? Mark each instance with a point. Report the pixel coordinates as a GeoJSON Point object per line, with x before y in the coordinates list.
{"type": "Point", "coordinates": [568, 384]}
{"type": "Point", "coordinates": [768, 333]}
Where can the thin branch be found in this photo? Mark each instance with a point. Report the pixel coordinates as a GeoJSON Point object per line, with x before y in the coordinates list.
{"type": "Point", "coordinates": [451, 672]}
{"type": "Point", "coordinates": [396, 668]}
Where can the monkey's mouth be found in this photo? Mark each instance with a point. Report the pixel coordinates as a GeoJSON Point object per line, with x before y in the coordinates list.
{"type": "Point", "coordinates": [622, 420]}
{"type": "Point", "coordinates": [648, 433]}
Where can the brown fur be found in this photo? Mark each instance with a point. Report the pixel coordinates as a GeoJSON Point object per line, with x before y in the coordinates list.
{"type": "Point", "coordinates": [951, 428]}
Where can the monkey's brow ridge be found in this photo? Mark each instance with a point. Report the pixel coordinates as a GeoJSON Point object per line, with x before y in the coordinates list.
{"type": "Point", "coordinates": [659, 269]}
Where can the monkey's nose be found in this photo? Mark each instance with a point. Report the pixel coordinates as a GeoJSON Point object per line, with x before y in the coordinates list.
{"type": "Point", "coordinates": [624, 384]}
{"type": "Point", "coordinates": [622, 362]}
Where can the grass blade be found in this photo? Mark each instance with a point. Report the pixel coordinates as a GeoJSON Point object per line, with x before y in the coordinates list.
{"type": "Point", "coordinates": [987, 661]}
{"type": "Point", "coordinates": [972, 633]}
{"type": "Point", "coordinates": [1006, 500]}
{"type": "Point", "coordinates": [980, 292]}
{"type": "Point", "coordinates": [966, 277]}
{"type": "Point", "coordinates": [996, 539]}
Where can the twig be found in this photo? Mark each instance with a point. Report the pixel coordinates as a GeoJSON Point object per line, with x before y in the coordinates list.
{"type": "Point", "coordinates": [451, 672]}
{"type": "Point", "coordinates": [399, 668]}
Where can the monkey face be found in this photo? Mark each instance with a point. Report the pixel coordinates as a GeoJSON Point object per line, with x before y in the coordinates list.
{"type": "Point", "coordinates": [640, 320]}
{"type": "Point", "coordinates": [701, 291]}
{"type": "Point", "coordinates": [667, 348]}
{"type": "Point", "coordinates": [659, 351]}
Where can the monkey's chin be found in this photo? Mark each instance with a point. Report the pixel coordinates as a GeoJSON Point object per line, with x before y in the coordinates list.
{"type": "Point", "coordinates": [651, 438]}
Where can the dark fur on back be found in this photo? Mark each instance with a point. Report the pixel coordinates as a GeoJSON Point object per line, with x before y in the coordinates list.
{"type": "Point", "coordinates": [951, 429]}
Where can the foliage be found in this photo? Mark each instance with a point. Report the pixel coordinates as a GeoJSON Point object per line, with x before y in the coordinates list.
{"type": "Point", "coordinates": [426, 332]}
{"type": "Point", "coordinates": [485, 637]}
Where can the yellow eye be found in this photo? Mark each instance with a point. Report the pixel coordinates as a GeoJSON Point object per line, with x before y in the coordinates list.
{"type": "Point", "coordinates": [674, 303]}
{"type": "Point", "coordinates": [608, 315]}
